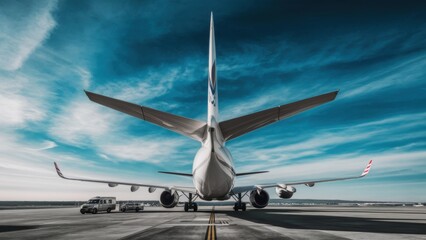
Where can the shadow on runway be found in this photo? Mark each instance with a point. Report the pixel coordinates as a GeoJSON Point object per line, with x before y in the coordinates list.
{"type": "Point", "coordinates": [284, 218]}
{"type": "Point", "coordinates": [11, 228]}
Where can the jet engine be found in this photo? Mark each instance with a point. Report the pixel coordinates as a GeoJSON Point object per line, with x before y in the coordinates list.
{"type": "Point", "coordinates": [285, 192]}
{"type": "Point", "coordinates": [259, 198]}
{"type": "Point", "coordinates": [169, 200]}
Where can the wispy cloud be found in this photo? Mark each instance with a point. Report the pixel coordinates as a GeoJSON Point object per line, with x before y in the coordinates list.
{"type": "Point", "coordinates": [21, 101]}
{"type": "Point", "coordinates": [81, 120]}
{"type": "Point", "coordinates": [401, 74]}
{"type": "Point", "coordinates": [146, 149]}
{"type": "Point", "coordinates": [314, 146]}
{"type": "Point", "coordinates": [45, 145]}
{"type": "Point", "coordinates": [23, 27]}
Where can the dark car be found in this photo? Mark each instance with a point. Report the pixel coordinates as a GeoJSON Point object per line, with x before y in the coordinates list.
{"type": "Point", "coordinates": [131, 207]}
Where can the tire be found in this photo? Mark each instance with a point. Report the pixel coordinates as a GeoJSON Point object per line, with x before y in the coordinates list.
{"type": "Point", "coordinates": [123, 210]}
{"type": "Point", "coordinates": [82, 211]}
{"type": "Point", "coordinates": [243, 207]}
{"type": "Point", "coordinates": [186, 207]}
{"type": "Point", "coordinates": [108, 210]}
{"type": "Point", "coordinates": [94, 211]}
{"type": "Point", "coordinates": [137, 209]}
{"type": "Point", "coordinates": [236, 207]}
{"type": "Point", "coordinates": [195, 206]}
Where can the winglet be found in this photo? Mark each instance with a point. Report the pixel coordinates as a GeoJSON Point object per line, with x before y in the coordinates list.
{"type": "Point", "coordinates": [58, 171]}
{"type": "Point", "coordinates": [367, 169]}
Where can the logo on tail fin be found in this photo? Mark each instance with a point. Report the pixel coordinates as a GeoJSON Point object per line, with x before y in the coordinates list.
{"type": "Point", "coordinates": [213, 83]}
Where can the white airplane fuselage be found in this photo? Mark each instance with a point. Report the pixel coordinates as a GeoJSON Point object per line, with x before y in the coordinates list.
{"type": "Point", "coordinates": [213, 172]}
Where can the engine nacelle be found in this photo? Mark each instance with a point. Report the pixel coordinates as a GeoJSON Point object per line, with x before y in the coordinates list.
{"type": "Point", "coordinates": [169, 200]}
{"type": "Point", "coordinates": [259, 199]}
{"type": "Point", "coordinates": [286, 192]}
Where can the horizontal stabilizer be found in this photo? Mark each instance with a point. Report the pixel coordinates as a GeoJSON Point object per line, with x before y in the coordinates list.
{"type": "Point", "coordinates": [177, 173]}
{"type": "Point", "coordinates": [185, 126]}
{"type": "Point", "coordinates": [241, 125]}
{"type": "Point", "coordinates": [250, 173]}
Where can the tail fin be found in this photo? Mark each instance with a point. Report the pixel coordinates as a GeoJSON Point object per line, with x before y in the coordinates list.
{"type": "Point", "coordinates": [212, 86]}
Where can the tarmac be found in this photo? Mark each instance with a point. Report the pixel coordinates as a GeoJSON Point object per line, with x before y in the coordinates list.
{"type": "Point", "coordinates": [218, 223]}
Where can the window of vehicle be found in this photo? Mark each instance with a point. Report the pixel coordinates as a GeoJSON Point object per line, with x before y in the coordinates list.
{"type": "Point", "coordinates": [93, 201]}
{"type": "Point", "coordinates": [110, 201]}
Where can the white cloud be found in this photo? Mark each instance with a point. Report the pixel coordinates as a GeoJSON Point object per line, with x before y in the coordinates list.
{"type": "Point", "coordinates": [27, 172]}
{"type": "Point", "coordinates": [21, 101]}
{"type": "Point", "coordinates": [84, 123]}
{"type": "Point", "coordinates": [23, 26]}
{"type": "Point", "coordinates": [144, 149]}
{"type": "Point", "coordinates": [314, 147]}
{"type": "Point", "coordinates": [149, 84]}
{"type": "Point", "coordinates": [85, 76]}
{"type": "Point", "coordinates": [81, 121]}
{"type": "Point", "coordinates": [45, 145]}
{"type": "Point", "coordinates": [397, 75]}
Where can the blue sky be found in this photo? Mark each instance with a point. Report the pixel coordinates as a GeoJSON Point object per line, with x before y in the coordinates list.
{"type": "Point", "coordinates": [155, 53]}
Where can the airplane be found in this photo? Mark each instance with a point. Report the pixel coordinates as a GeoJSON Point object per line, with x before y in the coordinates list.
{"type": "Point", "coordinates": [213, 173]}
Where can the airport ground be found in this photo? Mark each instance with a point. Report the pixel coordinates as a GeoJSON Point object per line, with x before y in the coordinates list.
{"type": "Point", "coordinates": [220, 223]}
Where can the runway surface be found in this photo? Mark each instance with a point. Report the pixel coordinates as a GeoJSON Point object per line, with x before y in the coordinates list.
{"type": "Point", "coordinates": [220, 223]}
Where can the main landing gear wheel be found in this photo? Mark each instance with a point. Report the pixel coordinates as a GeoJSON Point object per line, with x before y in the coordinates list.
{"type": "Point", "coordinates": [238, 206]}
{"type": "Point", "coordinates": [189, 206]}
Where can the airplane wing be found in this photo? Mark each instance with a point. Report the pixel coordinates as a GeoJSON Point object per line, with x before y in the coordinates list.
{"type": "Point", "coordinates": [241, 125]}
{"type": "Point", "coordinates": [311, 183]}
{"type": "Point", "coordinates": [134, 186]}
{"type": "Point", "coordinates": [185, 126]}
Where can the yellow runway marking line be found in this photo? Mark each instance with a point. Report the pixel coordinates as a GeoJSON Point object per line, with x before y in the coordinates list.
{"type": "Point", "coordinates": [211, 229]}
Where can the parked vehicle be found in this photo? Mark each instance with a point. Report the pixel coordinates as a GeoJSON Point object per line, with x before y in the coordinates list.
{"type": "Point", "coordinates": [97, 204]}
{"type": "Point", "coordinates": [131, 206]}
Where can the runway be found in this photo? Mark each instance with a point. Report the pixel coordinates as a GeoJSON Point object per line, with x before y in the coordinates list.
{"type": "Point", "coordinates": [218, 223]}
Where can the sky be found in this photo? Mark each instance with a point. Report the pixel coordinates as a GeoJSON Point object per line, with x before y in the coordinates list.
{"type": "Point", "coordinates": [155, 53]}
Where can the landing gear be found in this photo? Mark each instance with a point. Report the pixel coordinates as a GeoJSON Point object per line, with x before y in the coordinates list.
{"type": "Point", "coordinates": [239, 204]}
{"type": "Point", "coordinates": [190, 205]}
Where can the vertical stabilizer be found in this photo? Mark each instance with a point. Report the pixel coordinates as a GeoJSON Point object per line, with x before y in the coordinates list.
{"type": "Point", "coordinates": [212, 95]}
